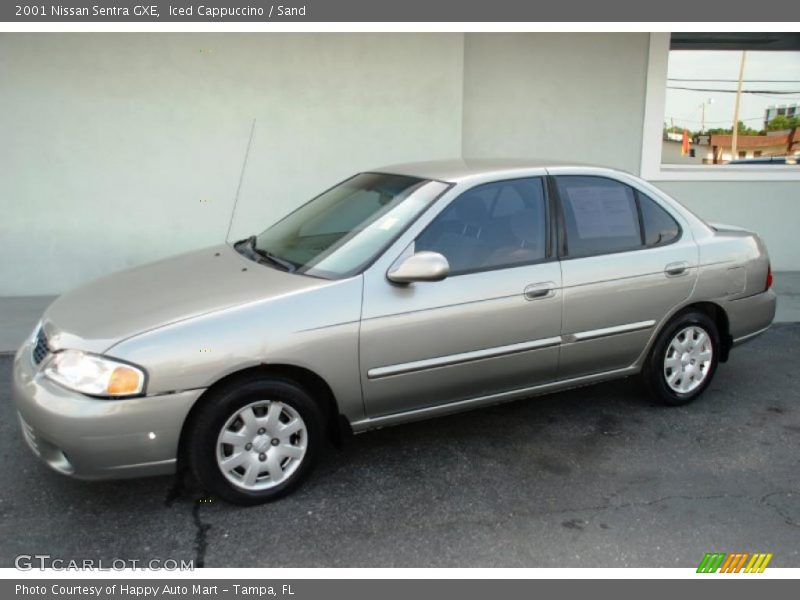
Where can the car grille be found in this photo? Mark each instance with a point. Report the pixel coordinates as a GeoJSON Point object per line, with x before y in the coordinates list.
{"type": "Point", "coordinates": [40, 348]}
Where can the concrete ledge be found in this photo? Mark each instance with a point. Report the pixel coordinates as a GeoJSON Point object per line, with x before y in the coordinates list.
{"type": "Point", "coordinates": [19, 314]}
{"type": "Point", "coordinates": [787, 286]}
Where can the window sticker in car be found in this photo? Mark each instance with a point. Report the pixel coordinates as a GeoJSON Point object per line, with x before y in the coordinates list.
{"type": "Point", "coordinates": [603, 211]}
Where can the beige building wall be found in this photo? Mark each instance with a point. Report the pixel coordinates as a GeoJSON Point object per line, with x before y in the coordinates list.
{"type": "Point", "coordinates": [123, 148]}
{"type": "Point", "coordinates": [119, 149]}
{"type": "Point", "coordinates": [576, 97]}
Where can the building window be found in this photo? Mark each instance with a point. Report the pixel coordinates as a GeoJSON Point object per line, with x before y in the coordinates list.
{"type": "Point", "coordinates": [699, 84]}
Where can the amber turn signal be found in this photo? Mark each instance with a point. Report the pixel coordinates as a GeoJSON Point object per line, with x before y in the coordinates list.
{"type": "Point", "coordinates": [124, 380]}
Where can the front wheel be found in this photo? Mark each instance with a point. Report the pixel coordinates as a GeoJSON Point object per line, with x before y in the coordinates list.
{"type": "Point", "coordinates": [254, 440]}
{"type": "Point", "coordinates": [684, 358]}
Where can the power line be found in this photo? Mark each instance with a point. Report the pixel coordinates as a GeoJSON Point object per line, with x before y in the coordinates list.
{"type": "Point", "coordinates": [734, 80]}
{"type": "Point", "coordinates": [767, 92]}
{"type": "Point", "coordinates": [687, 120]}
{"type": "Point", "coordinates": [783, 97]}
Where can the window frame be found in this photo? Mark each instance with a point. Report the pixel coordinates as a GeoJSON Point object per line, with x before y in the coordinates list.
{"type": "Point", "coordinates": [651, 167]}
{"type": "Point", "coordinates": [563, 238]}
{"type": "Point", "coordinates": [550, 253]}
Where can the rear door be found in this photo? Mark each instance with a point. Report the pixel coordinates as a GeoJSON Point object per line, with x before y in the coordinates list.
{"type": "Point", "coordinates": [626, 262]}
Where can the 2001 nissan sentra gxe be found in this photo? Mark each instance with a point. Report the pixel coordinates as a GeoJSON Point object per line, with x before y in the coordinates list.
{"type": "Point", "coordinates": [402, 293]}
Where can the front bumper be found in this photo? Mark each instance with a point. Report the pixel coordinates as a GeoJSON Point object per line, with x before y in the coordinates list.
{"type": "Point", "coordinates": [93, 438]}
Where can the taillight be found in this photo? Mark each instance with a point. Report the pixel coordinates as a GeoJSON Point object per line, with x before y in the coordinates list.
{"type": "Point", "coordinates": [769, 278]}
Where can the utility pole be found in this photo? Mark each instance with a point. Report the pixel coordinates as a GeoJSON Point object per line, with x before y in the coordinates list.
{"type": "Point", "coordinates": [703, 118]}
{"type": "Point", "coordinates": [708, 101]}
{"type": "Point", "coordinates": [735, 136]}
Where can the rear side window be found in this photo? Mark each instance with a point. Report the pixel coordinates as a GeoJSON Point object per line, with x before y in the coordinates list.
{"type": "Point", "coordinates": [600, 215]}
{"type": "Point", "coordinates": [659, 226]}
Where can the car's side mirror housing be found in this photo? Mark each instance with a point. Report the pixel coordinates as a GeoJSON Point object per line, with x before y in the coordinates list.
{"type": "Point", "coordinates": [421, 266]}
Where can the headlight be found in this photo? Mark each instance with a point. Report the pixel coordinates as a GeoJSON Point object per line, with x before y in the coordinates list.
{"type": "Point", "coordinates": [94, 375]}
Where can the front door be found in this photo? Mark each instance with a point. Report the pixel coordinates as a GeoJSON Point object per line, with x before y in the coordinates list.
{"type": "Point", "coordinates": [493, 325]}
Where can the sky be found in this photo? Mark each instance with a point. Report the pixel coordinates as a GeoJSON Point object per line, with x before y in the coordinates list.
{"type": "Point", "coordinates": [685, 106]}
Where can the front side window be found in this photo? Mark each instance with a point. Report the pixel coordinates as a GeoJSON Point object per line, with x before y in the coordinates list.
{"type": "Point", "coordinates": [491, 226]}
{"type": "Point", "coordinates": [344, 229]}
{"type": "Point", "coordinates": [600, 215]}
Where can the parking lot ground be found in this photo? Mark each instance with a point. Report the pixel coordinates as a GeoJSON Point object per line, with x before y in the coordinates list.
{"type": "Point", "coordinates": [594, 477]}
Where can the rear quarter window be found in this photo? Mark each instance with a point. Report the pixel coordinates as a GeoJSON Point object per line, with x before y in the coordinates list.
{"type": "Point", "coordinates": [659, 226]}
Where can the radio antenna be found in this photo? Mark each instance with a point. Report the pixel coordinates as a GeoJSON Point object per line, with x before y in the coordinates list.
{"type": "Point", "coordinates": [241, 178]}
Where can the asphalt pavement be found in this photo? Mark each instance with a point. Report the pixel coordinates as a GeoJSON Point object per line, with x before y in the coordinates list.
{"type": "Point", "coordinates": [595, 477]}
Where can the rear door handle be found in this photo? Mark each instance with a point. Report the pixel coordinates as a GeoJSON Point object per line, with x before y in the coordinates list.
{"type": "Point", "coordinates": [676, 268]}
{"type": "Point", "coordinates": [537, 291]}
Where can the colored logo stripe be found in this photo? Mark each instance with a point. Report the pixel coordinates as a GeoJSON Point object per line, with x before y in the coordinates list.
{"type": "Point", "coordinates": [734, 562]}
{"type": "Point", "coordinates": [711, 562]}
{"type": "Point", "coordinates": [758, 563]}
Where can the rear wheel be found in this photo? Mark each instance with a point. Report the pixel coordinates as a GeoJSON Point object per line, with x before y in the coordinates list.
{"type": "Point", "coordinates": [684, 358]}
{"type": "Point", "coordinates": [255, 440]}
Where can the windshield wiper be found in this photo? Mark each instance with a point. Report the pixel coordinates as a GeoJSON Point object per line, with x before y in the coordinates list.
{"type": "Point", "coordinates": [258, 254]}
{"type": "Point", "coordinates": [285, 264]}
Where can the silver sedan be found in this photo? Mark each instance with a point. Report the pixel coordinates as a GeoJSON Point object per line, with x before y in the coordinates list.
{"type": "Point", "coordinates": [402, 293]}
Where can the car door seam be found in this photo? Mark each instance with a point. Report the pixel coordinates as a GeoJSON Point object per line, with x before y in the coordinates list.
{"type": "Point", "coordinates": [445, 306]}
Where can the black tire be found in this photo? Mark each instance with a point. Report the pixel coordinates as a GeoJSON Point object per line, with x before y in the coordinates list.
{"type": "Point", "coordinates": [219, 405]}
{"type": "Point", "coordinates": [654, 373]}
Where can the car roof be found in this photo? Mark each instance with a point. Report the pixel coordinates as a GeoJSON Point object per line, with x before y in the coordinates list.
{"type": "Point", "coordinates": [462, 169]}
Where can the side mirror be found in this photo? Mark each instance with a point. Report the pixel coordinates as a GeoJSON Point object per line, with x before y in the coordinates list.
{"type": "Point", "coordinates": [422, 266]}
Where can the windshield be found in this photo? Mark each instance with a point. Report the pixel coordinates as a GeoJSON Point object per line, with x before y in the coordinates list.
{"type": "Point", "coordinates": [341, 231]}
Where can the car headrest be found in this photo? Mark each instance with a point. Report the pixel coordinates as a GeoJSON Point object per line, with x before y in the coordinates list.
{"type": "Point", "coordinates": [471, 210]}
{"type": "Point", "coordinates": [525, 227]}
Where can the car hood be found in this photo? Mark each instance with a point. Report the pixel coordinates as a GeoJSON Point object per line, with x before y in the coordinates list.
{"type": "Point", "coordinates": [106, 311]}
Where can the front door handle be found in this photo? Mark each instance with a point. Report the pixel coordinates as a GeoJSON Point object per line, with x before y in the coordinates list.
{"type": "Point", "coordinates": [537, 291]}
{"type": "Point", "coordinates": [676, 268]}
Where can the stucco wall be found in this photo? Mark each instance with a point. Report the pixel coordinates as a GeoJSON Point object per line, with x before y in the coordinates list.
{"type": "Point", "coordinates": [119, 149]}
{"type": "Point", "coordinates": [770, 208]}
{"type": "Point", "coordinates": [123, 148]}
{"type": "Point", "coordinates": [578, 97]}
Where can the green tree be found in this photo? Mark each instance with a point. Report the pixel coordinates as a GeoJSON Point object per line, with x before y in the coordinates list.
{"type": "Point", "coordinates": [782, 122]}
{"type": "Point", "coordinates": [745, 130]}
{"type": "Point", "coordinates": [742, 129]}
{"type": "Point", "coordinates": [777, 123]}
